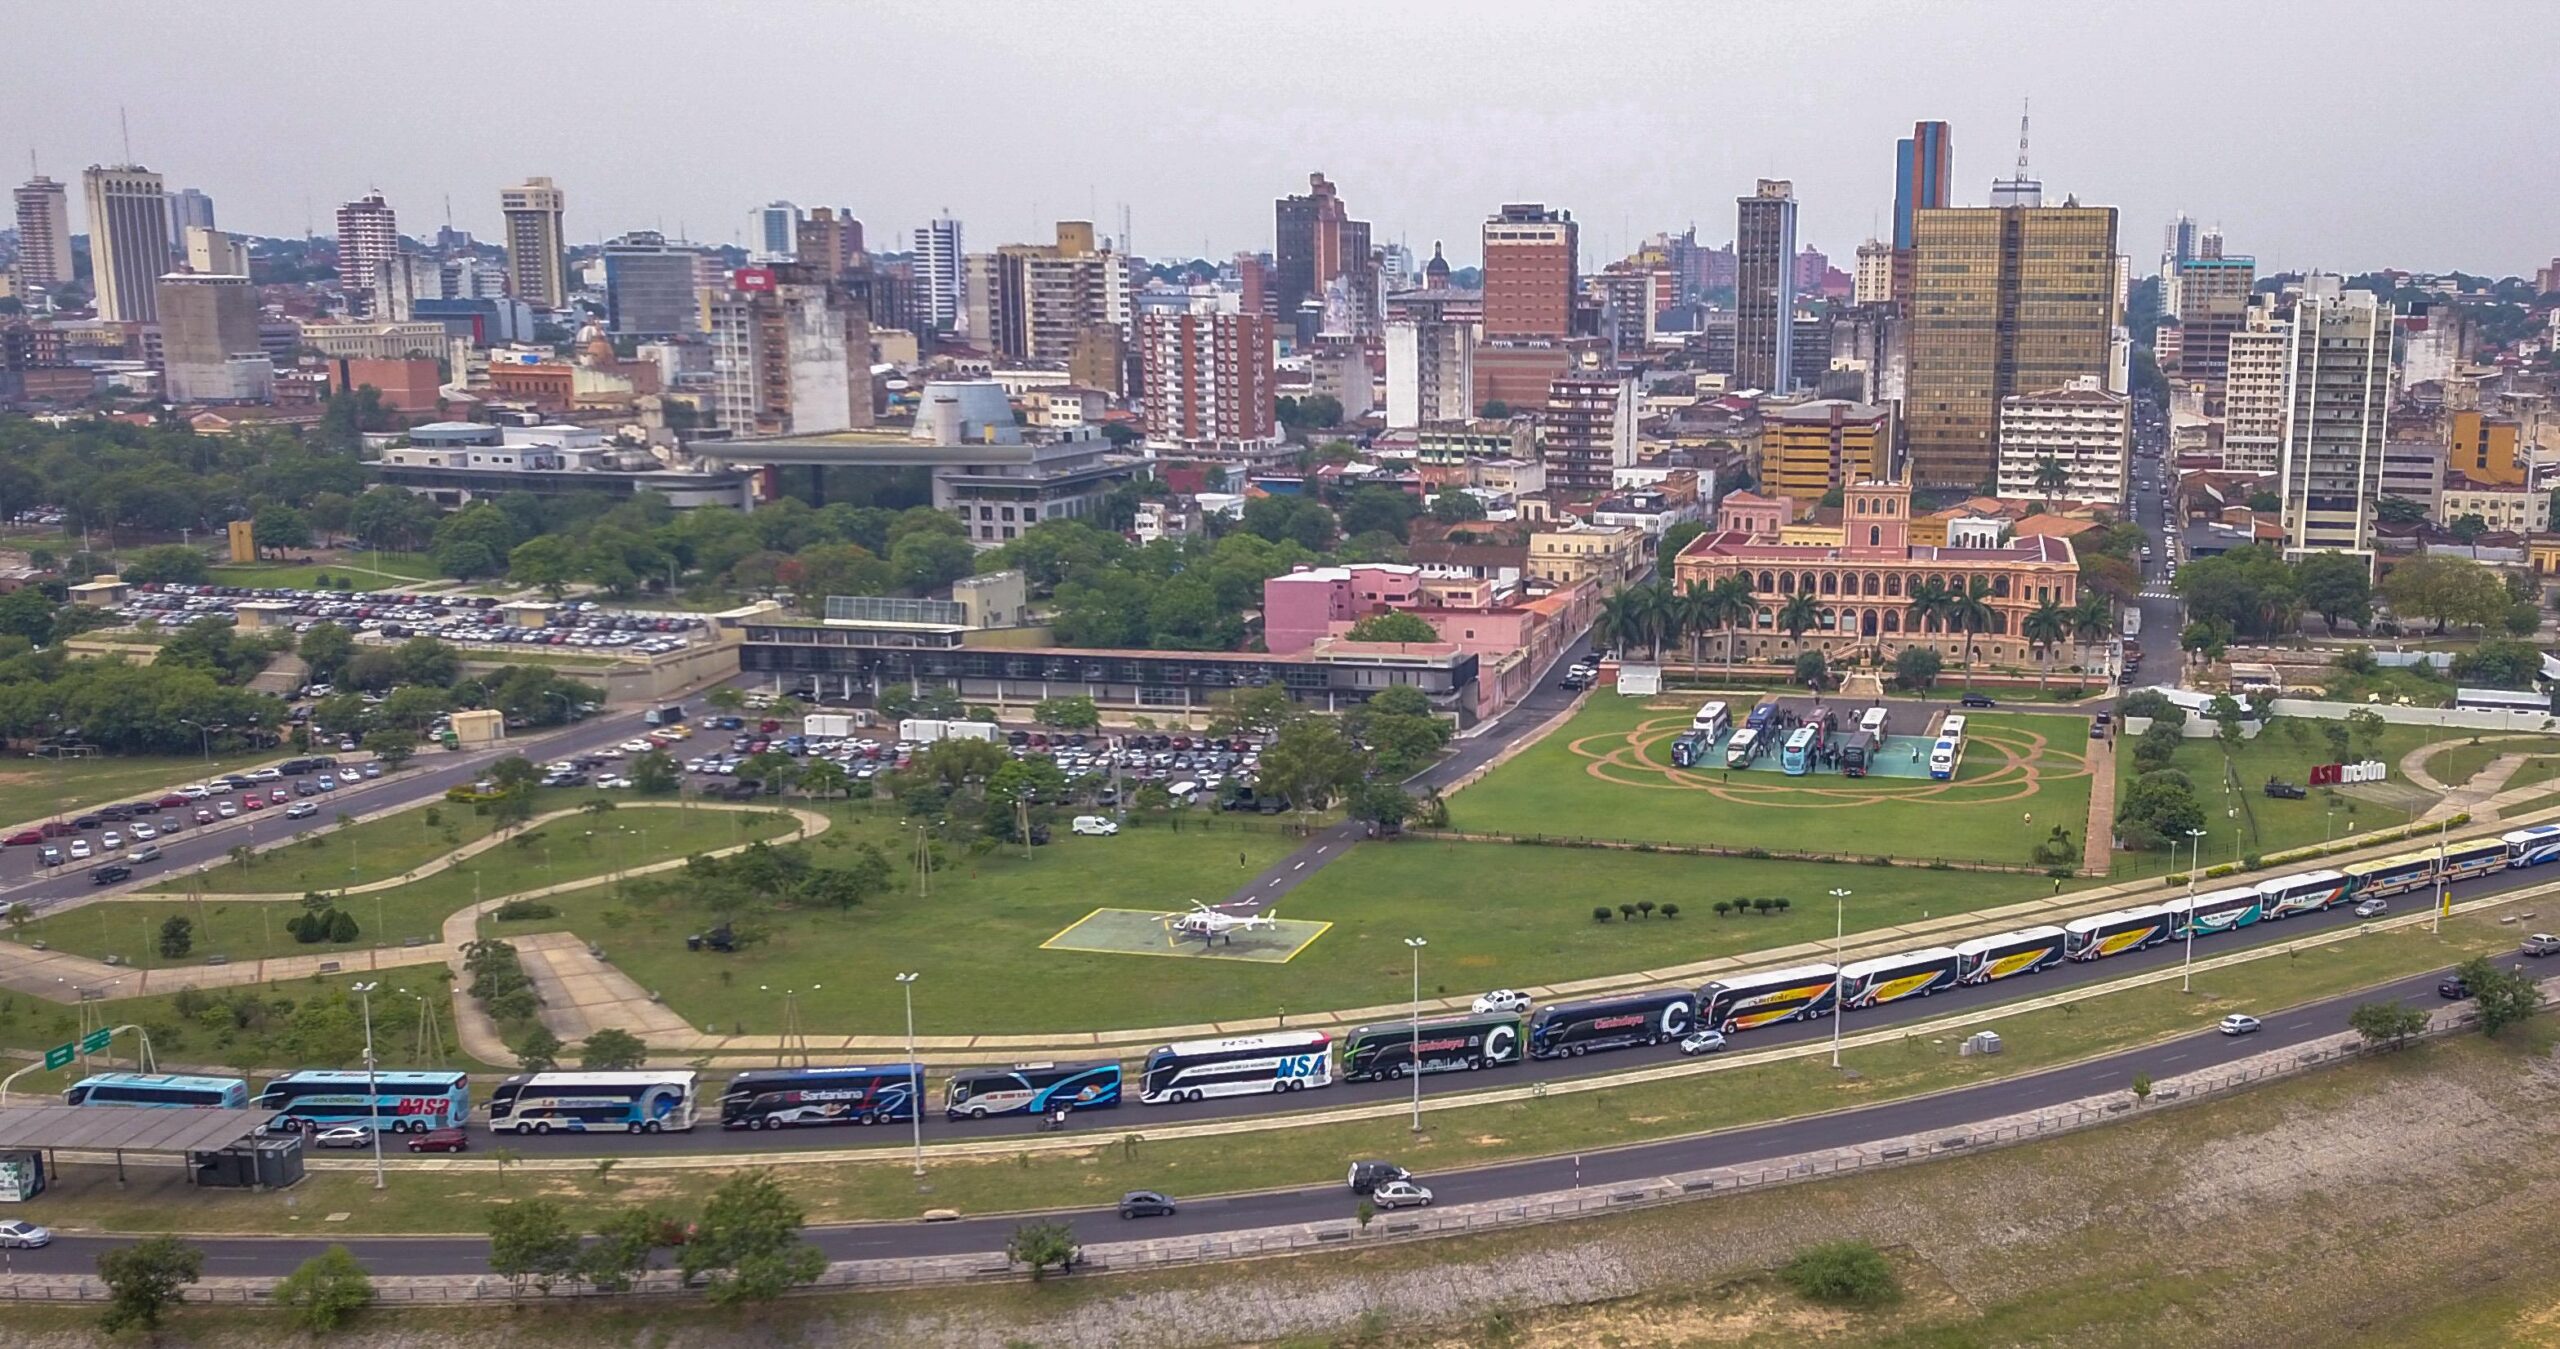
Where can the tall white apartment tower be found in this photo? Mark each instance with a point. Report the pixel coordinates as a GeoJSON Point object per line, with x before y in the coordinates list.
{"type": "Point", "coordinates": [368, 239]}
{"type": "Point", "coordinates": [537, 253]}
{"type": "Point", "coordinates": [44, 233]}
{"type": "Point", "coordinates": [2253, 391]}
{"type": "Point", "coordinates": [2336, 413]}
{"type": "Point", "coordinates": [128, 239]}
{"type": "Point", "coordinates": [938, 268]}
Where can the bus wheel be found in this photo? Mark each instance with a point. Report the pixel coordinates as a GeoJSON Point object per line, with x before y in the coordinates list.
{"type": "Point", "coordinates": [1396, 1073]}
{"type": "Point", "coordinates": [651, 1127]}
{"type": "Point", "coordinates": [542, 1126]}
{"type": "Point", "coordinates": [631, 1128]}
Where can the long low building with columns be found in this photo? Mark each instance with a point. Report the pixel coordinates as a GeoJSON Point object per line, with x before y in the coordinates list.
{"type": "Point", "coordinates": [1864, 581]}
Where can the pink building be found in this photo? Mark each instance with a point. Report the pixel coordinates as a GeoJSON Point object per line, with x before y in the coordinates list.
{"type": "Point", "coordinates": [1512, 642]}
{"type": "Point", "coordinates": [1754, 515]}
{"type": "Point", "coordinates": [1314, 602]}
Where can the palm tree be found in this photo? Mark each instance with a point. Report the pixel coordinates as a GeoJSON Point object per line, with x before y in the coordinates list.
{"type": "Point", "coordinates": [1970, 609]}
{"type": "Point", "coordinates": [1615, 624]}
{"type": "Point", "coordinates": [2091, 621]}
{"type": "Point", "coordinates": [1798, 614]}
{"type": "Point", "coordinates": [1928, 600]}
{"type": "Point", "coordinates": [2051, 478]}
{"type": "Point", "coordinates": [1662, 607]}
{"type": "Point", "coordinates": [1733, 605]}
{"type": "Point", "coordinates": [1698, 614]}
{"type": "Point", "coordinates": [2044, 629]}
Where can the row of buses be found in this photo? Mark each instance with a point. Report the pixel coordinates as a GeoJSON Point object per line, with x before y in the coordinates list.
{"type": "Point", "coordinates": [1284, 1062]}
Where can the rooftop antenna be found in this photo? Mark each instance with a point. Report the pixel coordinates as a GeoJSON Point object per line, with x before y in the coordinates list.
{"type": "Point", "coordinates": [2022, 137]}
{"type": "Point", "coordinates": [124, 129]}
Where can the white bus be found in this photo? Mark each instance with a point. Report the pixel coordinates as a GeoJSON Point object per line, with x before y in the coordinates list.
{"type": "Point", "coordinates": [1746, 743]}
{"type": "Point", "coordinates": [1943, 758]}
{"type": "Point", "coordinates": [632, 1103]}
{"type": "Point", "coordinates": [1873, 724]}
{"type": "Point", "coordinates": [1952, 728]}
{"type": "Point", "coordinates": [1712, 721]}
{"type": "Point", "coordinates": [1241, 1065]}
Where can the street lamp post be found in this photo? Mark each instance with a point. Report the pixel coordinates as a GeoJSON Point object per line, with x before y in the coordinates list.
{"type": "Point", "coordinates": [2187, 972]}
{"type": "Point", "coordinates": [1413, 1054]}
{"type": "Point", "coordinates": [372, 1088]}
{"type": "Point", "coordinates": [907, 987]}
{"type": "Point", "coordinates": [1839, 941]}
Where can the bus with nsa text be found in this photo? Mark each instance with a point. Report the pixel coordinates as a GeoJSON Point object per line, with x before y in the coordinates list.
{"type": "Point", "coordinates": [386, 1102]}
{"type": "Point", "coordinates": [1238, 1065]}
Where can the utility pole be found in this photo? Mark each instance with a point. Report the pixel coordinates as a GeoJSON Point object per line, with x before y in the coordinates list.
{"type": "Point", "coordinates": [915, 1111]}
{"type": "Point", "coordinates": [2187, 972]}
{"type": "Point", "coordinates": [372, 1081]}
{"type": "Point", "coordinates": [1839, 941]}
{"type": "Point", "coordinates": [1413, 1053]}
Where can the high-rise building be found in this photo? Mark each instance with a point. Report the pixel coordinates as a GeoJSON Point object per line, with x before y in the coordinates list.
{"type": "Point", "coordinates": [2336, 419]}
{"type": "Point", "coordinates": [215, 253]}
{"type": "Point", "coordinates": [648, 287]}
{"type": "Point", "coordinates": [368, 237]}
{"type": "Point", "coordinates": [1207, 381]}
{"type": "Point", "coordinates": [1430, 361]}
{"type": "Point", "coordinates": [128, 239]}
{"type": "Point", "coordinates": [1921, 161]}
{"type": "Point", "coordinates": [401, 281]}
{"type": "Point", "coordinates": [1317, 246]}
{"type": "Point", "coordinates": [1532, 273]}
{"type": "Point", "coordinates": [44, 233]}
{"type": "Point", "coordinates": [2213, 305]}
{"type": "Point", "coordinates": [2080, 429]}
{"type": "Point", "coordinates": [537, 248]}
{"type": "Point", "coordinates": [1046, 296]}
{"type": "Point", "coordinates": [1874, 284]}
{"type": "Point", "coordinates": [1588, 430]}
{"type": "Point", "coordinates": [1630, 296]}
{"type": "Point", "coordinates": [778, 229]}
{"type": "Point", "coordinates": [1806, 449]}
{"type": "Point", "coordinates": [2177, 242]}
{"type": "Point", "coordinates": [209, 347]}
{"type": "Point", "coordinates": [2253, 391]}
{"type": "Point", "coordinates": [790, 354]}
{"type": "Point", "coordinates": [829, 239]}
{"type": "Point", "coordinates": [1764, 294]}
{"type": "Point", "coordinates": [2005, 300]}
{"type": "Point", "coordinates": [938, 269]}
{"type": "Point", "coordinates": [188, 207]}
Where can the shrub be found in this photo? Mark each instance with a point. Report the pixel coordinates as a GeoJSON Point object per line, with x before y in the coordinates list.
{"type": "Point", "coordinates": [1627, 911]}
{"type": "Point", "coordinates": [2252, 862]}
{"type": "Point", "coordinates": [2219, 869]}
{"type": "Point", "coordinates": [1780, 903]}
{"type": "Point", "coordinates": [1723, 907]}
{"type": "Point", "coordinates": [1600, 913]}
{"type": "Point", "coordinates": [1670, 910]}
{"type": "Point", "coordinates": [1645, 907]}
{"type": "Point", "coordinates": [1842, 1274]}
{"type": "Point", "coordinates": [523, 910]}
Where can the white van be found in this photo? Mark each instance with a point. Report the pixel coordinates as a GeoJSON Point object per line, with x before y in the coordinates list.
{"type": "Point", "coordinates": [1184, 792]}
{"type": "Point", "coordinates": [1102, 826]}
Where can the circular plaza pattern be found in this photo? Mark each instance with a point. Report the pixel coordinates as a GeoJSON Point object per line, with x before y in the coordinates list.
{"type": "Point", "coordinates": [2002, 763]}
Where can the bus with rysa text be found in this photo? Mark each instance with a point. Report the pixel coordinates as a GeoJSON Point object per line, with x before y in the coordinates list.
{"type": "Point", "coordinates": [385, 1102]}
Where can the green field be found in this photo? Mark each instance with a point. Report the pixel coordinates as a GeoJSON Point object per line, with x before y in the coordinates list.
{"type": "Point", "coordinates": [328, 856]}
{"type": "Point", "coordinates": [1459, 1138]}
{"type": "Point", "coordinates": [2460, 763]}
{"type": "Point", "coordinates": [559, 852]}
{"type": "Point", "coordinates": [366, 570]}
{"type": "Point", "coordinates": [1494, 914]}
{"type": "Point", "coordinates": [1607, 774]}
{"type": "Point", "coordinates": [2236, 827]}
{"type": "Point", "coordinates": [34, 789]}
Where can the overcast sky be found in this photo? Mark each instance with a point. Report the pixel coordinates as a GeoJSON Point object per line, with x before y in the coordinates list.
{"type": "Point", "coordinates": [2318, 133]}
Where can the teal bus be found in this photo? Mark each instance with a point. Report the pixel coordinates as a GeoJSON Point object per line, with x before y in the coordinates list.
{"type": "Point", "coordinates": [396, 1102]}
{"type": "Point", "coordinates": [159, 1089]}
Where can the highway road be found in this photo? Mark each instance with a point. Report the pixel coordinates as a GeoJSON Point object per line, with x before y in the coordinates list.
{"type": "Point", "coordinates": [262, 1256]}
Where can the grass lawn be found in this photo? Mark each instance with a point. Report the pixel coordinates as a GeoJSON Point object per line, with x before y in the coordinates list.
{"type": "Point", "coordinates": [499, 656]}
{"type": "Point", "coordinates": [561, 851]}
{"type": "Point", "coordinates": [2264, 824]}
{"type": "Point", "coordinates": [35, 789]}
{"type": "Point", "coordinates": [1552, 789]}
{"type": "Point", "coordinates": [358, 854]}
{"type": "Point", "coordinates": [2460, 763]}
{"type": "Point", "coordinates": [1495, 914]}
{"type": "Point", "coordinates": [366, 570]}
{"type": "Point", "coordinates": [1454, 1139]}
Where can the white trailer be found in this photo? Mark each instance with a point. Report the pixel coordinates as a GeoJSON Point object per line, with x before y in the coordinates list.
{"type": "Point", "coordinates": [830, 725]}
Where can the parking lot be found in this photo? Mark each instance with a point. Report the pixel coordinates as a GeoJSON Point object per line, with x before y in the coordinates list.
{"type": "Point", "coordinates": [129, 834]}
{"type": "Point", "coordinates": [464, 620]}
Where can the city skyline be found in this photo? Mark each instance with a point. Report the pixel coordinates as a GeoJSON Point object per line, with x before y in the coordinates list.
{"type": "Point", "coordinates": [1650, 119]}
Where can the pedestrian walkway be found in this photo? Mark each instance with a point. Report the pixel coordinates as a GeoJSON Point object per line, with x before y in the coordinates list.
{"type": "Point", "coordinates": [2097, 845]}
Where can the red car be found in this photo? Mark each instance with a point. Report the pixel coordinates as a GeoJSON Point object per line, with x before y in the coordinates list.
{"type": "Point", "coordinates": [441, 1140]}
{"type": "Point", "coordinates": [171, 800]}
{"type": "Point", "coordinates": [253, 802]}
{"type": "Point", "coordinates": [24, 838]}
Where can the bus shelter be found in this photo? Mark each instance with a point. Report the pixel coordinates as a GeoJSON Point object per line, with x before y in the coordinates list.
{"type": "Point", "coordinates": [187, 1135]}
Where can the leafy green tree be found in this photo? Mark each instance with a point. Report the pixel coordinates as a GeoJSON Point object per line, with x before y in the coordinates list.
{"type": "Point", "coordinates": [2336, 586]}
{"type": "Point", "coordinates": [927, 561]}
{"type": "Point", "coordinates": [530, 1242]}
{"type": "Point", "coordinates": [326, 1291]}
{"type": "Point", "coordinates": [1674, 539]}
{"type": "Point", "coordinates": [1393, 626]}
{"type": "Point", "coordinates": [393, 745]}
{"type": "Point", "coordinates": [2157, 746]}
{"type": "Point", "coordinates": [2448, 590]}
{"type": "Point", "coordinates": [280, 527]}
{"type": "Point", "coordinates": [1312, 762]}
{"type": "Point", "coordinates": [1812, 670]}
{"type": "Point", "coordinates": [1451, 506]}
{"type": "Point", "coordinates": [2500, 662]}
{"type": "Point", "coordinates": [2502, 997]}
{"type": "Point", "coordinates": [1041, 1245]}
{"type": "Point", "coordinates": [26, 613]}
{"type": "Point", "coordinates": [611, 1050]}
{"type": "Point", "coordinates": [547, 561]}
{"type": "Point", "coordinates": [747, 1247]}
{"type": "Point", "coordinates": [1075, 713]}
{"type": "Point", "coordinates": [166, 563]}
{"type": "Point", "coordinates": [1384, 509]}
{"type": "Point", "coordinates": [1916, 668]}
{"type": "Point", "coordinates": [145, 1279]}
{"type": "Point", "coordinates": [1383, 804]}
{"type": "Point", "coordinates": [326, 648]}
{"type": "Point", "coordinates": [538, 1051]}
{"type": "Point", "coordinates": [654, 773]}
{"type": "Point", "coordinates": [391, 518]}
{"type": "Point", "coordinates": [177, 937]}
{"type": "Point", "coordinates": [1400, 728]}
{"type": "Point", "coordinates": [622, 1249]}
{"type": "Point", "coordinates": [2386, 1025]}
{"type": "Point", "coordinates": [2161, 805]}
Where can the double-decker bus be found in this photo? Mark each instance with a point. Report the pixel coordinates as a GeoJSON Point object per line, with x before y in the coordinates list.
{"type": "Point", "coordinates": [387, 1102]}
{"type": "Point", "coordinates": [2532, 847]}
{"type": "Point", "coordinates": [1763, 717]}
{"type": "Point", "coordinates": [2394, 875]}
{"type": "Point", "coordinates": [786, 1098]}
{"type": "Point", "coordinates": [1030, 1089]}
{"type": "Point", "coordinates": [1910, 974]}
{"type": "Point", "coordinates": [2309, 892]}
{"type": "Point", "coordinates": [1746, 1001]}
{"type": "Point", "coordinates": [1457, 1044]}
{"type": "Point", "coordinates": [1742, 749]}
{"type": "Point", "coordinates": [159, 1089]}
{"type": "Point", "coordinates": [1240, 1065]}
{"type": "Point", "coordinates": [1571, 1029]}
{"type": "Point", "coordinates": [2214, 911]}
{"type": "Point", "coordinates": [2112, 934]}
{"type": "Point", "coordinates": [1984, 960]}
{"type": "Point", "coordinates": [1804, 748]}
{"type": "Point", "coordinates": [1712, 721]}
{"type": "Point", "coordinates": [641, 1102]}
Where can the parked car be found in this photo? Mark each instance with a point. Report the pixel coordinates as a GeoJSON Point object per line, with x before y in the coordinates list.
{"type": "Point", "coordinates": [1503, 1000]}
{"type": "Point", "coordinates": [440, 1140]}
{"type": "Point", "coordinates": [20, 1234]}
{"type": "Point", "coordinates": [1400, 1194]}
{"type": "Point", "coordinates": [343, 1136]}
{"type": "Point", "coordinates": [81, 851]}
{"type": "Point", "coordinates": [2453, 989]}
{"type": "Point", "coordinates": [1977, 700]}
{"type": "Point", "coordinates": [1145, 1204]}
{"type": "Point", "coordinates": [2239, 1023]}
{"type": "Point", "coordinates": [2285, 791]}
{"type": "Point", "coordinates": [2541, 944]}
{"type": "Point", "coordinates": [1097, 825]}
{"type": "Point", "coordinates": [1368, 1176]}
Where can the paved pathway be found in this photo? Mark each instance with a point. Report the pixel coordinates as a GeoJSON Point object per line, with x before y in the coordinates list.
{"type": "Point", "coordinates": [2097, 843]}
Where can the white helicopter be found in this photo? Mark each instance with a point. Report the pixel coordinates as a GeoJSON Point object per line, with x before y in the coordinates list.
{"type": "Point", "coordinates": [1209, 924]}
